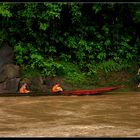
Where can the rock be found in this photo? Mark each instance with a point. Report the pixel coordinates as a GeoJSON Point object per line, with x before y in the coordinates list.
{"type": "Point", "coordinates": [36, 83]}
{"type": "Point", "coordinates": [2, 87]}
{"type": "Point", "coordinates": [12, 85]}
{"type": "Point", "coordinates": [9, 71]}
{"type": "Point", "coordinates": [6, 55]}
{"type": "Point", "coordinates": [2, 77]}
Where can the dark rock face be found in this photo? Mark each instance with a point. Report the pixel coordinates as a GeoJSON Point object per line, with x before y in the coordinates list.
{"type": "Point", "coordinates": [9, 72]}
{"type": "Point", "coordinates": [36, 83]}
{"type": "Point", "coordinates": [12, 84]}
{"type": "Point", "coordinates": [6, 55]}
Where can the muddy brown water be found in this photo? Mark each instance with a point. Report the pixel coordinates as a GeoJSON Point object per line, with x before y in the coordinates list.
{"type": "Point", "coordinates": [112, 114]}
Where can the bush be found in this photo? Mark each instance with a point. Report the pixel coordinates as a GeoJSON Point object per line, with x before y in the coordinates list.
{"type": "Point", "coordinates": [73, 75]}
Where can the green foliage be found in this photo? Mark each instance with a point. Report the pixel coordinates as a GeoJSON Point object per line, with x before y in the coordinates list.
{"type": "Point", "coordinates": [97, 8]}
{"type": "Point", "coordinates": [110, 66]}
{"type": "Point", "coordinates": [76, 13]}
{"type": "Point", "coordinates": [43, 26]}
{"type": "Point", "coordinates": [72, 74]}
{"type": "Point", "coordinates": [53, 11]}
{"type": "Point", "coordinates": [28, 72]}
{"type": "Point", "coordinates": [52, 68]}
{"type": "Point", "coordinates": [93, 36]}
{"type": "Point", "coordinates": [106, 67]}
{"type": "Point", "coordinates": [65, 58]}
{"type": "Point", "coordinates": [20, 53]}
{"type": "Point", "coordinates": [75, 78]}
{"type": "Point", "coordinates": [135, 10]}
{"type": "Point", "coordinates": [47, 67]}
{"type": "Point", "coordinates": [29, 10]}
{"type": "Point", "coordinates": [4, 10]}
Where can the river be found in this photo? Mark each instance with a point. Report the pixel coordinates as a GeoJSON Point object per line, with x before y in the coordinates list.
{"type": "Point", "coordinates": [112, 114]}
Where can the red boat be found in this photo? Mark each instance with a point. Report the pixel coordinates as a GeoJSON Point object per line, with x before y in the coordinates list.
{"type": "Point", "coordinates": [65, 93]}
{"type": "Point", "coordinates": [90, 92]}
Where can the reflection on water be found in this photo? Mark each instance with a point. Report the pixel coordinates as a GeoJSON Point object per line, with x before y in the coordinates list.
{"type": "Point", "coordinates": [107, 114]}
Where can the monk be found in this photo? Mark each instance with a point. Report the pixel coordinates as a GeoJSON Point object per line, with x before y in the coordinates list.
{"type": "Point", "coordinates": [56, 88]}
{"type": "Point", "coordinates": [23, 89]}
{"type": "Point", "coordinates": [138, 77]}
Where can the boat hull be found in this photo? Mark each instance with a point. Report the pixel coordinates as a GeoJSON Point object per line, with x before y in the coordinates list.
{"type": "Point", "coordinates": [64, 93]}
{"type": "Point", "coordinates": [89, 92]}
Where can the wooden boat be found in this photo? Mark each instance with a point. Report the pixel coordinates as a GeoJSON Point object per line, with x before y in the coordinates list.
{"type": "Point", "coordinates": [90, 92]}
{"type": "Point", "coordinates": [64, 93]}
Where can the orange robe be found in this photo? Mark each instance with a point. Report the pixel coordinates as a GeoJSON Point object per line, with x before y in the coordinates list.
{"type": "Point", "coordinates": [56, 88]}
{"type": "Point", "coordinates": [23, 90]}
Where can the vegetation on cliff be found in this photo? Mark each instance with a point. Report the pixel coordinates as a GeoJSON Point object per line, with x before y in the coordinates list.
{"type": "Point", "coordinates": [79, 41]}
